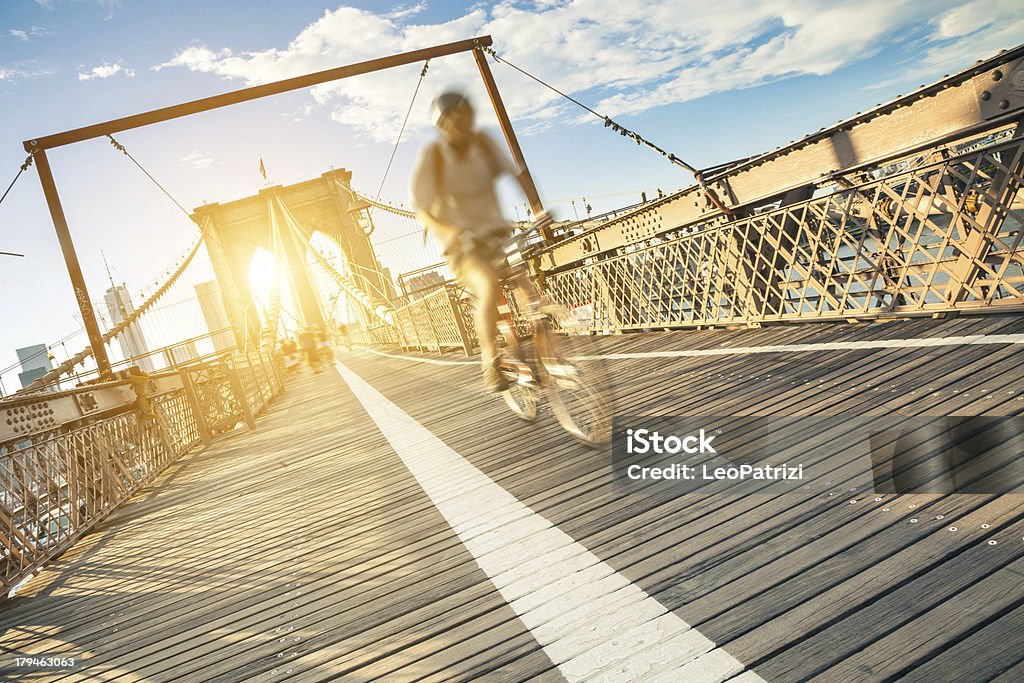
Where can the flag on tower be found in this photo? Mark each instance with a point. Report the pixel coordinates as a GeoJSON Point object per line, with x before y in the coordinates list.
{"type": "Point", "coordinates": [263, 169]}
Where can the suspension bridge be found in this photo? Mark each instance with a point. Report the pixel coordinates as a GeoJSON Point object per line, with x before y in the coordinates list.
{"type": "Point", "coordinates": [181, 503]}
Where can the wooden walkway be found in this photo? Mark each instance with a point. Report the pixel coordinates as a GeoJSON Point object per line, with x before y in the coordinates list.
{"type": "Point", "coordinates": [308, 550]}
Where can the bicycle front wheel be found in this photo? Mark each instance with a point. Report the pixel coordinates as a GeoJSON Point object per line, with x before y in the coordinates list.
{"type": "Point", "coordinates": [522, 392]}
{"type": "Point", "coordinates": [520, 397]}
{"type": "Point", "coordinates": [580, 399]}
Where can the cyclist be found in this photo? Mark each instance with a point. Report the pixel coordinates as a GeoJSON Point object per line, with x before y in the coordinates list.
{"type": "Point", "coordinates": [453, 191]}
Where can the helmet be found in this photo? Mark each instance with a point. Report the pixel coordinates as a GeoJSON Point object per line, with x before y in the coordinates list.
{"type": "Point", "coordinates": [444, 103]}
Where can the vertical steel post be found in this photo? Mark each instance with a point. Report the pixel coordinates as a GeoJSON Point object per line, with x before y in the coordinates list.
{"type": "Point", "coordinates": [237, 388]}
{"type": "Point", "coordinates": [192, 396]}
{"type": "Point", "coordinates": [67, 247]}
{"type": "Point", "coordinates": [510, 137]}
{"type": "Point", "coordinates": [460, 323]}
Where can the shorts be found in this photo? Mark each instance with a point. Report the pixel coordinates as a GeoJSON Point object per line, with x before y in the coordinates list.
{"type": "Point", "coordinates": [487, 252]}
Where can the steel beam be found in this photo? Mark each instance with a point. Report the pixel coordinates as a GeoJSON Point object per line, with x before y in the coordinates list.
{"type": "Point", "coordinates": [256, 92]}
{"type": "Point", "coordinates": [67, 247]}
{"type": "Point", "coordinates": [510, 137]}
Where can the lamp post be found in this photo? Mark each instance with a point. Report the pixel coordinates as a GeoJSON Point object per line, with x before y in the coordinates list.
{"type": "Point", "coordinates": [361, 215]}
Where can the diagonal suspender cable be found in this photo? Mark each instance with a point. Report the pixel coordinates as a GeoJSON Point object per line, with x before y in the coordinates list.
{"type": "Point", "coordinates": [622, 130]}
{"type": "Point", "coordinates": [383, 311]}
{"type": "Point", "coordinates": [401, 131]}
{"type": "Point", "coordinates": [119, 147]}
{"type": "Point", "coordinates": [24, 167]}
{"type": "Point", "coordinates": [69, 365]}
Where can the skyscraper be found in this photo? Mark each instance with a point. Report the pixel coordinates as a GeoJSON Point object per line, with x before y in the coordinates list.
{"type": "Point", "coordinates": [132, 341]}
{"type": "Point", "coordinates": [35, 362]}
{"type": "Point", "coordinates": [216, 317]}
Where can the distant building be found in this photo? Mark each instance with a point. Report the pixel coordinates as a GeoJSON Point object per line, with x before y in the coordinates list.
{"type": "Point", "coordinates": [35, 362]}
{"type": "Point", "coordinates": [132, 341]}
{"type": "Point", "coordinates": [216, 317]}
{"type": "Point", "coordinates": [181, 353]}
{"type": "Point", "coordinates": [418, 284]}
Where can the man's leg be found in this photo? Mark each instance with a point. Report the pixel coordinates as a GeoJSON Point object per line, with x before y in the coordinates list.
{"type": "Point", "coordinates": [479, 277]}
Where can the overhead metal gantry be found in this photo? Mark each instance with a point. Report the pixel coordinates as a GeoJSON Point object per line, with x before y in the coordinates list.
{"type": "Point", "coordinates": [37, 148]}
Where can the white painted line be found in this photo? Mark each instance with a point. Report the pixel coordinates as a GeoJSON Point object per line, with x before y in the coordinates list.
{"type": "Point", "coordinates": [967, 340]}
{"type": "Point", "coordinates": [591, 621]}
{"type": "Point", "coordinates": [914, 343]}
{"type": "Point", "coordinates": [428, 361]}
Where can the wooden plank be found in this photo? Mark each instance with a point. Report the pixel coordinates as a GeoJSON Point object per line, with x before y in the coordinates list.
{"type": "Point", "coordinates": [922, 618]}
{"type": "Point", "coordinates": [391, 592]}
{"type": "Point", "coordinates": [992, 650]}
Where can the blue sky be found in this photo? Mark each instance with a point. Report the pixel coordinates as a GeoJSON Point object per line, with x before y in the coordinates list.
{"type": "Point", "coordinates": [707, 81]}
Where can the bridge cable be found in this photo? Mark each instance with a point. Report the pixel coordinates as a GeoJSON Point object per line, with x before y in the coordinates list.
{"type": "Point", "coordinates": [119, 147]}
{"type": "Point", "coordinates": [383, 311]}
{"type": "Point", "coordinates": [24, 167]}
{"type": "Point", "coordinates": [622, 130]}
{"type": "Point", "coordinates": [401, 131]}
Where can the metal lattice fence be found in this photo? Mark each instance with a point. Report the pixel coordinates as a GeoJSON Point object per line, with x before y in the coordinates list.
{"type": "Point", "coordinates": [57, 483]}
{"type": "Point", "coordinates": [939, 238]}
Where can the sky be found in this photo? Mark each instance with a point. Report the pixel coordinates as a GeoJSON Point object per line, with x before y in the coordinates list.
{"type": "Point", "coordinates": [707, 81]}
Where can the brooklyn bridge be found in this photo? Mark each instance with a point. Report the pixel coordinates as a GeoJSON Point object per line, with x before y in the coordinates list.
{"type": "Point", "coordinates": [187, 498]}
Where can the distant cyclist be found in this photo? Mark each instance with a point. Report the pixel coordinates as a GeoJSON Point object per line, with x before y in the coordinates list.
{"type": "Point", "coordinates": [454, 193]}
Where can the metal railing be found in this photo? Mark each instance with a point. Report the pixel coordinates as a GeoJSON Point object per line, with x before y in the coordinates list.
{"type": "Point", "coordinates": [927, 238]}
{"type": "Point", "coordinates": [940, 238]}
{"type": "Point", "coordinates": [435, 321]}
{"type": "Point", "coordinates": [58, 479]}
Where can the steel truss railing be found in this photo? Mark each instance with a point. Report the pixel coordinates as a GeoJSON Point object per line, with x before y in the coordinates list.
{"type": "Point", "coordinates": [58, 483]}
{"type": "Point", "coordinates": [940, 238]}
{"type": "Point", "coordinates": [436, 321]}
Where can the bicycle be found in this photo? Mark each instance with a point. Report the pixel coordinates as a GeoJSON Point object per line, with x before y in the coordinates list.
{"type": "Point", "coordinates": [579, 398]}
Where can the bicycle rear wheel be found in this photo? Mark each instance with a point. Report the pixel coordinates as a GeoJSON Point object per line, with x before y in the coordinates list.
{"type": "Point", "coordinates": [580, 397]}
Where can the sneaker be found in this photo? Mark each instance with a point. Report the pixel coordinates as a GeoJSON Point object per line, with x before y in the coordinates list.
{"type": "Point", "coordinates": [494, 381]}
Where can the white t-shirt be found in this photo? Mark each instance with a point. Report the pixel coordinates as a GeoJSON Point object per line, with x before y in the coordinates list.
{"type": "Point", "coordinates": [467, 199]}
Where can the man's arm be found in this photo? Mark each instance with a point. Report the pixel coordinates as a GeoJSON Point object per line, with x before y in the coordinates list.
{"type": "Point", "coordinates": [505, 164]}
{"type": "Point", "coordinates": [443, 231]}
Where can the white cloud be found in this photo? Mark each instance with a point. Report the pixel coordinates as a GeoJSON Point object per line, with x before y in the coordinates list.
{"type": "Point", "coordinates": [621, 56]}
{"type": "Point", "coordinates": [196, 160]}
{"type": "Point", "coordinates": [109, 5]}
{"type": "Point", "coordinates": [105, 70]}
{"type": "Point", "coordinates": [406, 11]}
{"type": "Point", "coordinates": [19, 72]}
{"type": "Point", "coordinates": [198, 58]}
{"type": "Point", "coordinates": [25, 35]}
